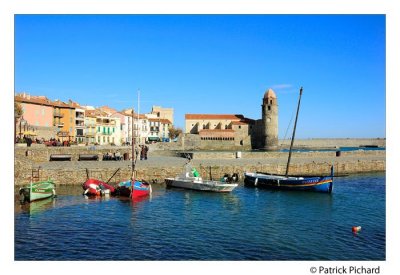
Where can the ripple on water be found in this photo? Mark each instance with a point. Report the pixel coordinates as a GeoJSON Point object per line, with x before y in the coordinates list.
{"type": "Point", "coordinates": [247, 224]}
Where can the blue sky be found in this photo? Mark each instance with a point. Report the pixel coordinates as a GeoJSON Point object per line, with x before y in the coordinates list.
{"type": "Point", "coordinates": [213, 64]}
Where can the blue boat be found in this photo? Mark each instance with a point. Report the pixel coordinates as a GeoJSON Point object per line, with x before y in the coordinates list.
{"type": "Point", "coordinates": [322, 184]}
{"type": "Point", "coordinates": [316, 184]}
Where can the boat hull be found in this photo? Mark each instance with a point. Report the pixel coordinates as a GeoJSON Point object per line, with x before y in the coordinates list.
{"type": "Point", "coordinates": [313, 184]}
{"type": "Point", "coordinates": [200, 185]}
{"type": "Point", "coordinates": [37, 191]}
{"type": "Point", "coordinates": [94, 187]}
{"type": "Point", "coordinates": [140, 189]}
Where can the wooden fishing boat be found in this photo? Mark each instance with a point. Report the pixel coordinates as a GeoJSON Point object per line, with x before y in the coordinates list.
{"type": "Point", "coordinates": [139, 189]}
{"type": "Point", "coordinates": [134, 188]}
{"type": "Point", "coordinates": [37, 191]}
{"type": "Point", "coordinates": [262, 180]}
{"type": "Point", "coordinates": [322, 184]}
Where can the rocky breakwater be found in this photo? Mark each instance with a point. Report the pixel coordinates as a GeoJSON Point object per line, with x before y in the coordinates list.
{"type": "Point", "coordinates": [215, 164]}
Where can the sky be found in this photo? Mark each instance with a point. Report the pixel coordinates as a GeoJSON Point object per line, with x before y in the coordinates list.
{"type": "Point", "coordinates": [213, 64]}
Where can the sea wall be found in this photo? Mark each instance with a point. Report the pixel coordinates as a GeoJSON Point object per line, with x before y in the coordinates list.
{"type": "Point", "coordinates": [163, 164]}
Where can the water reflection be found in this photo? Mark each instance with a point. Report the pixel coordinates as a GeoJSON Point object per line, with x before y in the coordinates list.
{"type": "Point", "coordinates": [37, 207]}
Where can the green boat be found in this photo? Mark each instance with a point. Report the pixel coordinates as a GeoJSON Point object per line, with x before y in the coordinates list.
{"type": "Point", "coordinates": [37, 191]}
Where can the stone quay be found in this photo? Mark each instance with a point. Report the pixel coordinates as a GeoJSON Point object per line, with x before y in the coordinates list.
{"type": "Point", "coordinates": [168, 163]}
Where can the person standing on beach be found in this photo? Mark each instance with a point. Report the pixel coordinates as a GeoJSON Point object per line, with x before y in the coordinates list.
{"type": "Point", "coordinates": [141, 152]}
{"type": "Point", "coordinates": [146, 148]}
{"type": "Point", "coordinates": [137, 149]}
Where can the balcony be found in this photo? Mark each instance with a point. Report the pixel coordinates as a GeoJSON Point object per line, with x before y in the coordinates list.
{"type": "Point", "coordinates": [58, 124]}
{"type": "Point", "coordinates": [79, 125]}
{"type": "Point", "coordinates": [58, 114]}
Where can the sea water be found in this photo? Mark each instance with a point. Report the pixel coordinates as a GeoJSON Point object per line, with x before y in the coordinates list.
{"type": "Point", "coordinates": [176, 224]}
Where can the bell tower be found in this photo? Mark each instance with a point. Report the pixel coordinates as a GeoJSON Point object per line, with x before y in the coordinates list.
{"type": "Point", "coordinates": [270, 121]}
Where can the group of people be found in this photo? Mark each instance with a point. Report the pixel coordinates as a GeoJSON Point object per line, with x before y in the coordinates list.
{"type": "Point", "coordinates": [25, 139]}
{"type": "Point", "coordinates": [112, 156]}
{"type": "Point", "coordinates": [142, 151]}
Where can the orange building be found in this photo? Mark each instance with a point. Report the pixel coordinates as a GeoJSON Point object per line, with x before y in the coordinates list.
{"type": "Point", "coordinates": [64, 119]}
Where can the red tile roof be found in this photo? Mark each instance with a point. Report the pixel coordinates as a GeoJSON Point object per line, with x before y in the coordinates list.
{"type": "Point", "coordinates": [107, 109]}
{"type": "Point", "coordinates": [33, 100]}
{"type": "Point", "coordinates": [214, 116]}
{"type": "Point", "coordinates": [162, 120]}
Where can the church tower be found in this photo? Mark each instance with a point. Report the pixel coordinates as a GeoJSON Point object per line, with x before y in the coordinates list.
{"type": "Point", "coordinates": [270, 120]}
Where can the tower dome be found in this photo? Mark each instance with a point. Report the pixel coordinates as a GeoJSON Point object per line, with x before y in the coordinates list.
{"type": "Point", "coordinates": [270, 120]}
{"type": "Point", "coordinates": [269, 94]}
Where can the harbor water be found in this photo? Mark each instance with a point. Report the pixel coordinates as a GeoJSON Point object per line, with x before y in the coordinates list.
{"type": "Point", "coordinates": [176, 224]}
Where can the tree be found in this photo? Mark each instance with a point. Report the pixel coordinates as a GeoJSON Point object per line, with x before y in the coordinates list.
{"type": "Point", "coordinates": [174, 132]}
{"type": "Point", "coordinates": [18, 111]}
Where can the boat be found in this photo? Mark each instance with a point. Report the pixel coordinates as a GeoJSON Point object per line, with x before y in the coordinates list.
{"type": "Point", "coordinates": [139, 188]}
{"type": "Point", "coordinates": [322, 184]}
{"type": "Point", "coordinates": [190, 179]}
{"type": "Point", "coordinates": [37, 191]}
{"type": "Point", "coordinates": [95, 187]}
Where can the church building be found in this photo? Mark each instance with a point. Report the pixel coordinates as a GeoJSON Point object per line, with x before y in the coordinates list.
{"type": "Point", "coordinates": [234, 131]}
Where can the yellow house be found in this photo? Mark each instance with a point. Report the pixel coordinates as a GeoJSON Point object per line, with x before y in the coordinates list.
{"type": "Point", "coordinates": [64, 119]}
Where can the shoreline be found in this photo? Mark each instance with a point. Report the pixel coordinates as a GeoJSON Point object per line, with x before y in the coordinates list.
{"type": "Point", "coordinates": [162, 164]}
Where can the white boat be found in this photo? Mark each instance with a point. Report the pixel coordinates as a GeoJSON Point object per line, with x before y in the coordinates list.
{"type": "Point", "coordinates": [190, 179]}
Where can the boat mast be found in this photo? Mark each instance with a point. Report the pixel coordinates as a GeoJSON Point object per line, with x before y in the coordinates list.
{"type": "Point", "coordinates": [133, 140]}
{"type": "Point", "coordinates": [133, 149]}
{"type": "Point", "coordinates": [138, 112]}
{"type": "Point", "coordinates": [294, 132]}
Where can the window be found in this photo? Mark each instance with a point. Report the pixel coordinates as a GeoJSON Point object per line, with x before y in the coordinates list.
{"type": "Point", "coordinates": [240, 127]}
{"type": "Point", "coordinates": [269, 108]}
{"type": "Point", "coordinates": [270, 102]}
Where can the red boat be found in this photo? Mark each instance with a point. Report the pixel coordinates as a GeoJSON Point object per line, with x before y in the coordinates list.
{"type": "Point", "coordinates": [140, 189]}
{"type": "Point", "coordinates": [95, 187]}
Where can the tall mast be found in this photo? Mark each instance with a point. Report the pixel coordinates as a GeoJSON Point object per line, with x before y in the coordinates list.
{"type": "Point", "coordinates": [294, 132]}
{"type": "Point", "coordinates": [138, 112]}
{"type": "Point", "coordinates": [133, 147]}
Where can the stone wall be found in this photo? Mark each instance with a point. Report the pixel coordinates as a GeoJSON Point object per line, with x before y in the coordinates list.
{"type": "Point", "coordinates": [39, 154]}
{"type": "Point", "coordinates": [305, 163]}
{"type": "Point", "coordinates": [156, 174]}
{"type": "Point", "coordinates": [276, 155]}
{"type": "Point", "coordinates": [335, 142]}
{"type": "Point", "coordinates": [192, 142]}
